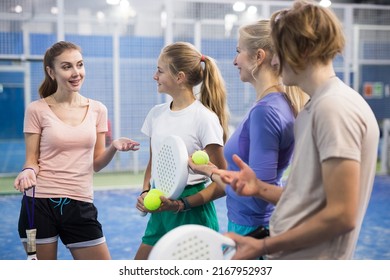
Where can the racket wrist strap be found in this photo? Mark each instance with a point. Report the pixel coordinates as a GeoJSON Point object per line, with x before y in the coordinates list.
{"type": "Point", "coordinates": [29, 168]}
{"type": "Point", "coordinates": [144, 191]}
{"type": "Point", "coordinates": [179, 207]}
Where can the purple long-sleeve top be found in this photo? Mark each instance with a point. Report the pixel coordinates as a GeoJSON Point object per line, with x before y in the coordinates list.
{"type": "Point", "coordinates": [265, 141]}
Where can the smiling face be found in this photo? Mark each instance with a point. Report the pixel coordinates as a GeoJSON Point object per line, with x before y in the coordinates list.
{"type": "Point", "coordinates": [163, 77]}
{"type": "Point", "coordinates": [69, 71]}
{"type": "Point", "coordinates": [244, 62]}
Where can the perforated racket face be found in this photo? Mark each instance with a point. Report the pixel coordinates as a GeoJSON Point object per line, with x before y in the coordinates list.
{"type": "Point", "coordinates": [192, 248]}
{"type": "Point", "coordinates": [171, 167]}
{"type": "Point", "coordinates": [191, 242]}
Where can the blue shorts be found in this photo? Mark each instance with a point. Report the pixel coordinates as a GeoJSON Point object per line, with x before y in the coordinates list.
{"type": "Point", "coordinates": [240, 229]}
{"type": "Point", "coordinates": [74, 222]}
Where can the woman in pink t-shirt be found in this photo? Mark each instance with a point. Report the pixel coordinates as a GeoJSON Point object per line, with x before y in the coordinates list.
{"type": "Point", "coordinates": [65, 143]}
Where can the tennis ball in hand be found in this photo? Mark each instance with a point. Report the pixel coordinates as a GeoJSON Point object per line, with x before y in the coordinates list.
{"type": "Point", "coordinates": [156, 192]}
{"type": "Point", "coordinates": [200, 157]}
{"type": "Point", "coordinates": [152, 201]}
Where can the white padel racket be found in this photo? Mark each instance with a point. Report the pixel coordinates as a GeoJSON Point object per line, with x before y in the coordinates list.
{"type": "Point", "coordinates": [31, 244]}
{"type": "Point", "coordinates": [31, 233]}
{"type": "Point", "coordinates": [193, 242]}
{"type": "Point", "coordinates": [170, 167]}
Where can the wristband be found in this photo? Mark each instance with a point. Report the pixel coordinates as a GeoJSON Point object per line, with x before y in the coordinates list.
{"type": "Point", "coordinates": [265, 247]}
{"type": "Point", "coordinates": [143, 192]}
{"type": "Point", "coordinates": [29, 168]}
{"type": "Point", "coordinates": [178, 206]}
{"type": "Point", "coordinates": [187, 205]}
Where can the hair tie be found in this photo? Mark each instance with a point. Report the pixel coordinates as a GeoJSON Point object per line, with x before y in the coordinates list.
{"type": "Point", "coordinates": [202, 58]}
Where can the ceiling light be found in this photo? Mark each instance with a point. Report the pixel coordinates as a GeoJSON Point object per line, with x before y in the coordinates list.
{"type": "Point", "coordinates": [252, 10]}
{"type": "Point", "coordinates": [124, 4]}
{"type": "Point", "coordinates": [54, 10]}
{"type": "Point", "coordinates": [239, 6]}
{"type": "Point", "coordinates": [100, 15]}
{"type": "Point", "coordinates": [325, 3]}
{"type": "Point", "coordinates": [113, 2]}
{"type": "Point", "coordinates": [18, 9]}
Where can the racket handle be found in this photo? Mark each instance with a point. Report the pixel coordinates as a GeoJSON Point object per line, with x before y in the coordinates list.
{"type": "Point", "coordinates": [229, 248]}
{"type": "Point", "coordinates": [259, 233]}
{"type": "Point", "coordinates": [31, 240]}
{"type": "Point", "coordinates": [32, 257]}
{"type": "Point", "coordinates": [142, 213]}
{"type": "Point", "coordinates": [31, 244]}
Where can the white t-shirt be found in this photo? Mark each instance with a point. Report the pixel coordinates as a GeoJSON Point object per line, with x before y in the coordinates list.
{"type": "Point", "coordinates": [336, 123]}
{"type": "Point", "coordinates": [196, 125]}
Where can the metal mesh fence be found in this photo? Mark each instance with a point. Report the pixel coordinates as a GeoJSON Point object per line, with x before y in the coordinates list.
{"type": "Point", "coordinates": [121, 44]}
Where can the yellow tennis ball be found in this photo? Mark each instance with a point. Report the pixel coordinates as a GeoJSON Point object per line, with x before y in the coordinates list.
{"type": "Point", "coordinates": [152, 201]}
{"type": "Point", "coordinates": [200, 157]}
{"type": "Point", "coordinates": [156, 192]}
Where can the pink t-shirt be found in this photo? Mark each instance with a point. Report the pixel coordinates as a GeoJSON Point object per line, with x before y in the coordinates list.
{"type": "Point", "coordinates": [66, 152]}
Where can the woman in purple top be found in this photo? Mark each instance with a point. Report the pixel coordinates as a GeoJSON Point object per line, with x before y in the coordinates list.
{"type": "Point", "coordinates": [265, 141]}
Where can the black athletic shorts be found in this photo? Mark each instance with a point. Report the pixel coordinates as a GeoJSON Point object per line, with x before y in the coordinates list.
{"type": "Point", "coordinates": [75, 222]}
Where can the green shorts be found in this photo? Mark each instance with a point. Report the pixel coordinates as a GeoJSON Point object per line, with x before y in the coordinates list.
{"type": "Point", "coordinates": [162, 222]}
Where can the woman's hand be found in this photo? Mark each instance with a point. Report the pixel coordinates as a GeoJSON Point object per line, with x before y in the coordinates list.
{"type": "Point", "coordinates": [243, 182]}
{"type": "Point", "coordinates": [125, 144]}
{"type": "Point", "coordinates": [25, 180]}
{"type": "Point", "coordinates": [166, 204]}
{"type": "Point", "coordinates": [170, 205]}
{"type": "Point", "coordinates": [204, 169]}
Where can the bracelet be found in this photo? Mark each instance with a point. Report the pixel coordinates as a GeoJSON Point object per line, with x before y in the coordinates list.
{"type": "Point", "coordinates": [187, 205]}
{"type": "Point", "coordinates": [265, 247]}
{"type": "Point", "coordinates": [211, 176]}
{"type": "Point", "coordinates": [143, 192]}
{"type": "Point", "coordinates": [29, 168]}
{"type": "Point", "coordinates": [178, 206]}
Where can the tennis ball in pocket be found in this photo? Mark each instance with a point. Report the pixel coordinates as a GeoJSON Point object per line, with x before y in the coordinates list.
{"type": "Point", "coordinates": [200, 157]}
{"type": "Point", "coordinates": [152, 201]}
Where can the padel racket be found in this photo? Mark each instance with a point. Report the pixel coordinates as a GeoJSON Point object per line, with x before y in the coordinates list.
{"type": "Point", "coordinates": [259, 233]}
{"type": "Point", "coordinates": [193, 242]}
{"type": "Point", "coordinates": [31, 244]}
{"type": "Point", "coordinates": [170, 167]}
{"type": "Point", "coordinates": [31, 232]}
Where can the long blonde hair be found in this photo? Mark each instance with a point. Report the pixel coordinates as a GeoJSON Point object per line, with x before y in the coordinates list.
{"type": "Point", "coordinates": [258, 36]}
{"type": "Point", "coordinates": [184, 57]}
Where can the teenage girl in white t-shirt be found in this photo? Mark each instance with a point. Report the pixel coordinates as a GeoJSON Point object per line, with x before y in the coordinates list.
{"type": "Point", "coordinates": [201, 123]}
